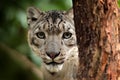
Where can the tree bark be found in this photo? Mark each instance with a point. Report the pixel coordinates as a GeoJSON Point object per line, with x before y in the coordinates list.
{"type": "Point", "coordinates": [97, 24]}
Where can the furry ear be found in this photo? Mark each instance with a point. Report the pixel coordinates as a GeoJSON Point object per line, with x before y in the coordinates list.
{"type": "Point", "coordinates": [32, 15]}
{"type": "Point", "coordinates": [70, 13]}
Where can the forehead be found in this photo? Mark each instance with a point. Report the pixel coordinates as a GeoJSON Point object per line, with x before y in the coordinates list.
{"type": "Point", "coordinates": [54, 22]}
{"type": "Point", "coordinates": [54, 15]}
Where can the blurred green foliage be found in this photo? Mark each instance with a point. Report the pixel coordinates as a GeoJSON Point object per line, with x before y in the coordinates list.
{"type": "Point", "coordinates": [13, 35]}
{"type": "Point", "coordinates": [12, 68]}
{"type": "Point", "coordinates": [119, 3]}
{"type": "Point", "coordinates": [13, 27]}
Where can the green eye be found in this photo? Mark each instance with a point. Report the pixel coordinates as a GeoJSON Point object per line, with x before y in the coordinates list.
{"type": "Point", "coordinates": [66, 35]}
{"type": "Point", "coordinates": [41, 35]}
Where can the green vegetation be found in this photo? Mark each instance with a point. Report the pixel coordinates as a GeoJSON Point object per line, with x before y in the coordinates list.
{"type": "Point", "coordinates": [13, 27]}
{"type": "Point", "coordinates": [13, 35]}
{"type": "Point", "coordinates": [119, 3]}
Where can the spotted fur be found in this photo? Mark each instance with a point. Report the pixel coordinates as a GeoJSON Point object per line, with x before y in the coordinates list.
{"type": "Point", "coordinates": [51, 36]}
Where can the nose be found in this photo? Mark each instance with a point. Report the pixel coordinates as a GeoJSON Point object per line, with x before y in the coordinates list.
{"type": "Point", "coordinates": [52, 55]}
{"type": "Point", "coordinates": [52, 49]}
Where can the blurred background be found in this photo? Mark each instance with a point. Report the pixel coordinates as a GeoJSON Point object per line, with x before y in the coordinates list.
{"type": "Point", "coordinates": [13, 37]}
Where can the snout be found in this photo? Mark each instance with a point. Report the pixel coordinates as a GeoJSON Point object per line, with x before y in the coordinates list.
{"type": "Point", "coordinates": [52, 49]}
{"type": "Point", "coordinates": [54, 58]}
{"type": "Point", "coordinates": [54, 54]}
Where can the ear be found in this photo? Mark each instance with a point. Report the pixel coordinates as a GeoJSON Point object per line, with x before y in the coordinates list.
{"type": "Point", "coordinates": [70, 13]}
{"type": "Point", "coordinates": [32, 15]}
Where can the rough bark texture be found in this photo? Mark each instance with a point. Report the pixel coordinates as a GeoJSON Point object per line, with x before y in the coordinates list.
{"type": "Point", "coordinates": [97, 29]}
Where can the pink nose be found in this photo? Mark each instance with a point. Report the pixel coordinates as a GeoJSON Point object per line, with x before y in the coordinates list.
{"type": "Point", "coordinates": [52, 54]}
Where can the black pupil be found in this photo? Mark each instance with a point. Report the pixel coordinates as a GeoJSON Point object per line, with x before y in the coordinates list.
{"type": "Point", "coordinates": [41, 35]}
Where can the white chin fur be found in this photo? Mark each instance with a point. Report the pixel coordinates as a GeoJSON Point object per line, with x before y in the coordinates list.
{"type": "Point", "coordinates": [54, 68]}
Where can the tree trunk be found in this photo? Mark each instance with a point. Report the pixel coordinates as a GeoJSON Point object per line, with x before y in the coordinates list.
{"type": "Point", "coordinates": [97, 28]}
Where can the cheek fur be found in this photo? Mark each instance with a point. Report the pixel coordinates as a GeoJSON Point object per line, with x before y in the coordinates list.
{"type": "Point", "coordinates": [70, 42]}
{"type": "Point", "coordinates": [36, 42]}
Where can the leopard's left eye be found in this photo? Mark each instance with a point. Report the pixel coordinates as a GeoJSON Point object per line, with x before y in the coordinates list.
{"type": "Point", "coordinates": [66, 35]}
{"type": "Point", "coordinates": [41, 35]}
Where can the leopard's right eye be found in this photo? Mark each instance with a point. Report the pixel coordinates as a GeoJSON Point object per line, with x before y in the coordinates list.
{"type": "Point", "coordinates": [41, 35]}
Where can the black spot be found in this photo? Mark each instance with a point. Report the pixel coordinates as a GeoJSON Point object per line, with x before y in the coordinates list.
{"type": "Point", "coordinates": [45, 43]}
{"type": "Point", "coordinates": [34, 19]}
{"type": "Point", "coordinates": [62, 42]}
{"type": "Point", "coordinates": [60, 22]}
{"type": "Point", "coordinates": [63, 27]}
{"type": "Point", "coordinates": [39, 28]}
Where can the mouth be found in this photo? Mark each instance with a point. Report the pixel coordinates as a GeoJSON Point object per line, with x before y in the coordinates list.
{"type": "Point", "coordinates": [54, 67]}
{"type": "Point", "coordinates": [54, 63]}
